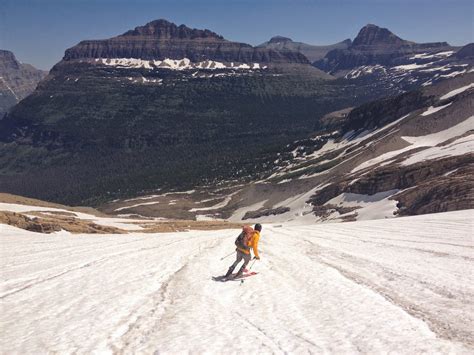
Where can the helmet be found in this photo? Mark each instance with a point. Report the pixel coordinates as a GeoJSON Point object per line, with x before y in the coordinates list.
{"type": "Point", "coordinates": [258, 227]}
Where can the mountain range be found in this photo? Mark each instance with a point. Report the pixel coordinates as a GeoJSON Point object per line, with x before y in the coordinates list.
{"type": "Point", "coordinates": [178, 109]}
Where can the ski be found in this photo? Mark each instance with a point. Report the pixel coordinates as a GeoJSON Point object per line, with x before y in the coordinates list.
{"type": "Point", "coordinates": [243, 276]}
{"type": "Point", "coordinates": [233, 277]}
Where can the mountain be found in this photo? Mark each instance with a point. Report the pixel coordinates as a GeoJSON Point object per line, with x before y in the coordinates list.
{"type": "Point", "coordinates": [376, 46]}
{"type": "Point", "coordinates": [161, 39]}
{"type": "Point", "coordinates": [109, 116]}
{"type": "Point", "coordinates": [404, 155]}
{"type": "Point", "coordinates": [377, 55]}
{"type": "Point", "coordinates": [17, 80]}
{"type": "Point", "coordinates": [312, 52]}
{"type": "Point", "coordinates": [102, 127]}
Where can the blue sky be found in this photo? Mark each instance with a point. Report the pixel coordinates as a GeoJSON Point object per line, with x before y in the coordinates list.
{"type": "Point", "coordinates": [39, 31]}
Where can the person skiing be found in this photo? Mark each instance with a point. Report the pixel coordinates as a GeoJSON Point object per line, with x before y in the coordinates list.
{"type": "Point", "coordinates": [247, 240]}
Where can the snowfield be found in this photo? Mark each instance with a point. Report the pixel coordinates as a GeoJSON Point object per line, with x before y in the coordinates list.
{"type": "Point", "coordinates": [403, 285]}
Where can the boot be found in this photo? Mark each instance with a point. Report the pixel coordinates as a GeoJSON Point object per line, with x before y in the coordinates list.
{"type": "Point", "coordinates": [229, 272]}
{"type": "Point", "coordinates": [241, 271]}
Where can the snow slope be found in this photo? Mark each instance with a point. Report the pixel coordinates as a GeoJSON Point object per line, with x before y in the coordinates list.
{"type": "Point", "coordinates": [401, 285]}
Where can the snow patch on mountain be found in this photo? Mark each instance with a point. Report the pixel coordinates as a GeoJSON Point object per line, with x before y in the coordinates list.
{"type": "Point", "coordinates": [432, 109]}
{"type": "Point", "coordinates": [458, 147]}
{"type": "Point", "coordinates": [238, 215]}
{"type": "Point", "coordinates": [412, 66]}
{"type": "Point", "coordinates": [221, 204]}
{"type": "Point", "coordinates": [430, 56]}
{"type": "Point", "coordinates": [104, 221]}
{"type": "Point", "coordinates": [376, 206]}
{"type": "Point", "coordinates": [456, 91]}
{"type": "Point", "coordinates": [175, 64]}
{"type": "Point", "coordinates": [137, 205]}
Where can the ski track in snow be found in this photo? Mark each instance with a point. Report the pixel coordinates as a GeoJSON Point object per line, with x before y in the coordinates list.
{"type": "Point", "coordinates": [402, 285]}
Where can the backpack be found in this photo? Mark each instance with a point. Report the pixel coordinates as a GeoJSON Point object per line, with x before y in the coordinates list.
{"type": "Point", "coordinates": [243, 239]}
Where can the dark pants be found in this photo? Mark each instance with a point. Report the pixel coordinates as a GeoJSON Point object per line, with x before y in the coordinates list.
{"type": "Point", "coordinates": [240, 256]}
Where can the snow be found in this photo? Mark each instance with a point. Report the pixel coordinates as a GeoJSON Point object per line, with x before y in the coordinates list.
{"type": "Point", "coordinates": [349, 139]}
{"type": "Point", "coordinates": [173, 64]}
{"type": "Point", "coordinates": [446, 67]}
{"type": "Point", "coordinates": [453, 74]}
{"type": "Point", "coordinates": [222, 204]}
{"type": "Point", "coordinates": [419, 56]}
{"type": "Point", "coordinates": [9, 88]}
{"type": "Point", "coordinates": [104, 221]}
{"type": "Point", "coordinates": [431, 140]}
{"type": "Point", "coordinates": [203, 217]}
{"type": "Point", "coordinates": [380, 159]}
{"type": "Point", "coordinates": [300, 210]}
{"type": "Point", "coordinates": [450, 172]}
{"type": "Point", "coordinates": [137, 205]}
{"type": "Point", "coordinates": [432, 109]}
{"type": "Point", "coordinates": [442, 136]}
{"type": "Point", "coordinates": [435, 55]}
{"type": "Point", "coordinates": [376, 206]}
{"type": "Point", "coordinates": [456, 92]}
{"type": "Point", "coordinates": [368, 134]}
{"type": "Point", "coordinates": [412, 66]}
{"type": "Point", "coordinates": [460, 146]}
{"type": "Point", "coordinates": [140, 198]}
{"type": "Point", "coordinates": [363, 70]}
{"type": "Point", "coordinates": [240, 213]}
{"type": "Point", "coordinates": [397, 286]}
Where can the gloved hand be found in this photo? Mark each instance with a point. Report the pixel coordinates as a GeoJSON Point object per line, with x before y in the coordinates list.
{"type": "Point", "coordinates": [256, 257]}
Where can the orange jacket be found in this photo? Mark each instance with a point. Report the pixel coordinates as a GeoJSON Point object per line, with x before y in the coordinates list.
{"type": "Point", "coordinates": [253, 243]}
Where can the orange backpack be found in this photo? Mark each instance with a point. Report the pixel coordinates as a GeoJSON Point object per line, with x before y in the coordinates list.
{"type": "Point", "coordinates": [243, 239]}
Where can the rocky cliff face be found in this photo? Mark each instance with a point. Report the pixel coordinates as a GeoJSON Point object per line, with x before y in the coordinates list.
{"type": "Point", "coordinates": [161, 39]}
{"type": "Point", "coordinates": [17, 80]}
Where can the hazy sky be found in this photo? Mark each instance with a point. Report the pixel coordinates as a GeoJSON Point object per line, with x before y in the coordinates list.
{"type": "Point", "coordinates": [39, 31]}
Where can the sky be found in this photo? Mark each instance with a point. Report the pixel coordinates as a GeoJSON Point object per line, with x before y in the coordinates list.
{"type": "Point", "coordinates": [39, 31]}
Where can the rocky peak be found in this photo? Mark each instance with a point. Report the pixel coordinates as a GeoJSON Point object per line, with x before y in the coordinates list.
{"type": "Point", "coordinates": [163, 29]}
{"type": "Point", "coordinates": [372, 35]}
{"type": "Point", "coordinates": [280, 39]}
{"type": "Point", "coordinates": [17, 80]}
{"type": "Point", "coordinates": [8, 60]}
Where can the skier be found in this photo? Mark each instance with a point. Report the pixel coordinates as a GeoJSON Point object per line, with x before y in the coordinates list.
{"type": "Point", "coordinates": [245, 241]}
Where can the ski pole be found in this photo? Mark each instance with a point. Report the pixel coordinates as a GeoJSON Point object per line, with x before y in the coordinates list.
{"type": "Point", "coordinates": [227, 256]}
{"type": "Point", "coordinates": [250, 268]}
